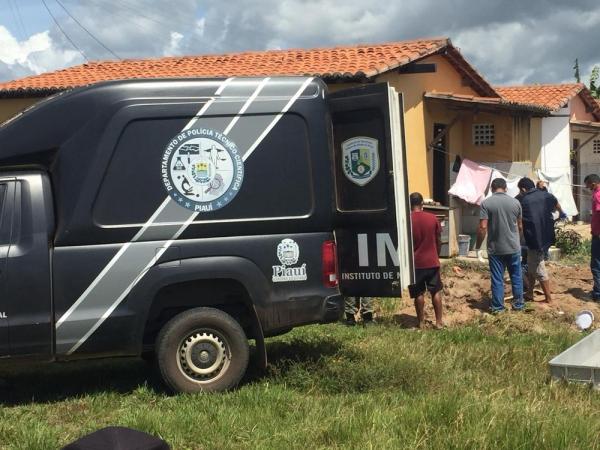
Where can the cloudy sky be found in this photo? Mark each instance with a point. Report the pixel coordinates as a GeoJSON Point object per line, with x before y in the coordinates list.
{"type": "Point", "coordinates": [508, 41]}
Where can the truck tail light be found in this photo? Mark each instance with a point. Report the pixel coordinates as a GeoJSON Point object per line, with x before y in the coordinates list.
{"type": "Point", "coordinates": [329, 257]}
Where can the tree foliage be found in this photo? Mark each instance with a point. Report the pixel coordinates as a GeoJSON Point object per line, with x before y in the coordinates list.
{"type": "Point", "coordinates": [594, 85]}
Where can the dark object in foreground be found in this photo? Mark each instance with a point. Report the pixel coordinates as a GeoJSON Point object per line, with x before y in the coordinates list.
{"type": "Point", "coordinates": [118, 438]}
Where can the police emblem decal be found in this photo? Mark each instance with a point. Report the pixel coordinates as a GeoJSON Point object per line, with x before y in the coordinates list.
{"type": "Point", "coordinates": [288, 253]}
{"type": "Point", "coordinates": [360, 159]}
{"type": "Point", "coordinates": [202, 169]}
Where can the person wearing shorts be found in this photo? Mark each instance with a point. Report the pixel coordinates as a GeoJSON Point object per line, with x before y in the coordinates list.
{"type": "Point", "coordinates": [536, 264]}
{"type": "Point", "coordinates": [426, 235]}
{"type": "Point", "coordinates": [538, 231]}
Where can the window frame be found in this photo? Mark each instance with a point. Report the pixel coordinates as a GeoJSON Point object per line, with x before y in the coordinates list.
{"type": "Point", "coordinates": [7, 211]}
{"type": "Point", "coordinates": [100, 221]}
{"type": "Point", "coordinates": [483, 134]}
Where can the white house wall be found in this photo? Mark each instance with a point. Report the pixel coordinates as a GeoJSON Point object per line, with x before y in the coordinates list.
{"type": "Point", "coordinates": [556, 143]}
{"type": "Point", "coordinates": [589, 163]}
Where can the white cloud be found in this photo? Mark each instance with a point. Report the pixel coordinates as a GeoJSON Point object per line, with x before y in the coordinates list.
{"type": "Point", "coordinates": [494, 47]}
{"type": "Point", "coordinates": [200, 27]}
{"type": "Point", "coordinates": [533, 50]}
{"type": "Point", "coordinates": [35, 55]}
{"type": "Point", "coordinates": [14, 52]}
{"type": "Point", "coordinates": [174, 44]}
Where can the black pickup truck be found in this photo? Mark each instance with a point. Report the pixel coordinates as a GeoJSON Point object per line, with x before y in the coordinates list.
{"type": "Point", "coordinates": [180, 218]}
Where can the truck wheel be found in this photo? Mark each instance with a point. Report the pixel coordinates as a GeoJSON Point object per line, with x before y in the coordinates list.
{"type": "Point", "coordinates": [202, 349]}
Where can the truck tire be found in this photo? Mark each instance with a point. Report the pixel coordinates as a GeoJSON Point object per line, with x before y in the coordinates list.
{"type": "Point", "coordinates": [202, 349]}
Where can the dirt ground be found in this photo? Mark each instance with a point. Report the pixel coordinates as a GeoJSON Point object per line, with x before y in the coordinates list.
{"type": "Point", "coordinates": [583, 229]}
{"type": "Point", "coordinates": [467, 293]}
{"type": "Point", "coordinates": [467, 296]}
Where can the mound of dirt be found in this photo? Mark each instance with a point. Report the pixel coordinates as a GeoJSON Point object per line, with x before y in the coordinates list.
{"type": "Point", "coordinates": [467, 295]}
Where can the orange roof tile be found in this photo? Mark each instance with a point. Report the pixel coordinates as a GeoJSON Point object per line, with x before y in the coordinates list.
{"type": "Point", "coordinates": [347, 63]}
{"type": "Point", "coordinates": [553, 96]}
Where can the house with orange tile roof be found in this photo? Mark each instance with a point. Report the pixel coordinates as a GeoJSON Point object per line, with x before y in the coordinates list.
{"type": "Point", "coordinates": [446, 102]}
{"type": "Point", "coordinates": [570, 136]}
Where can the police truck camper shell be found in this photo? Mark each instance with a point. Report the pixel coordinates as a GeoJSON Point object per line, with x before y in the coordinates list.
{"type": "Point", "coordinates": [177, 219]}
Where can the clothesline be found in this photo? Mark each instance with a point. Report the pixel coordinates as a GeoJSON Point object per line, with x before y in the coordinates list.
{"type": "Point", "coordinates": [503, 172]}
{"type": "Point", "coordinates": [474, 180]}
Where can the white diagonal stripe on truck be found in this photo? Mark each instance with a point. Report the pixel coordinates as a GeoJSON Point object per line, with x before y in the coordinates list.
{"type": "Point", "coordinates": [191, 217]}
{"type": "Point", "coordinates": [125, 246]}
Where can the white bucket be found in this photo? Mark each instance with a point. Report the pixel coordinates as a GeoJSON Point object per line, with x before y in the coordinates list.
{"type": "Point", "coordinates": [584, 319]}
{"type": "Point", "coordinates": [464, 243]}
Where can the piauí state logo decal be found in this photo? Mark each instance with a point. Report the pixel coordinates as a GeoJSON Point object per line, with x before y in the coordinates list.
{"type": "Point", "coordinates": [361, 159]}
{"type": "Point", "coordinates": [288, 253]}
{"type": "Point", "coordinates": [202, 169]}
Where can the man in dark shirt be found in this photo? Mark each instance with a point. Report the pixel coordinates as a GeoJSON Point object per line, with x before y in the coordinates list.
{"type": "Point", "coordinates": [538, 231]}
{"type": "Point", "coordinates": [426, 231]}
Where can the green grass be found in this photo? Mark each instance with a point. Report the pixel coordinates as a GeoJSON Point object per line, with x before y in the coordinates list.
{"type": "Point", "coordinates": [580, 255]}
{"type": "Point", "coordinates": [481, 386]}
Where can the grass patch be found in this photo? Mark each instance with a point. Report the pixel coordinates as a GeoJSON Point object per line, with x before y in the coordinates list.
{"type": "Point", "coordinates": [481, 386]}
{"type": "Point", "coordinates": [466, 265]}
{"type": "Point", "coordinates": [580, 255]}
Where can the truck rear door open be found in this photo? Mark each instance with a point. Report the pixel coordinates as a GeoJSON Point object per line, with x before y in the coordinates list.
{"type": "Point", "coordinates": [372, 226]}
{"type": "Point", "coordinates": [7, 194]}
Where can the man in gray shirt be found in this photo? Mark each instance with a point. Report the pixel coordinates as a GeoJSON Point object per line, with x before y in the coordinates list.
{"type": "Point", "coordinates": [500, 219]}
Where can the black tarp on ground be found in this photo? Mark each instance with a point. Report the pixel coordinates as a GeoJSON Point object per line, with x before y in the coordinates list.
{"type": "Point", "coordinates": [118, 438]}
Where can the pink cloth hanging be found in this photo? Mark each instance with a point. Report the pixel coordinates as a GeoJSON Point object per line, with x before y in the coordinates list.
{"type": "Point", "coordinates": [471, 182]}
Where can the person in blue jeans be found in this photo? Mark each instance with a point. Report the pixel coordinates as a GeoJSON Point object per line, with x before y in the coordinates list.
{"type": "Point", "coordinates": [501, 219]}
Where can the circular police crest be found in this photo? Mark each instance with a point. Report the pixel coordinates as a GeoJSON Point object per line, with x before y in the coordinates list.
{"type": "Point", "coordinates": [288, 252]}
{"type": "Point", "coordinates": [361, 159]}
{"type": "Point", "coordinates": [202, 169]}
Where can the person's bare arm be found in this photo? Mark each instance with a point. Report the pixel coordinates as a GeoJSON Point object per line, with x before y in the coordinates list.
{"type": "Point", "coordinates": [558, 208]}
{"type": "Point", "coordinates": [520, 226]}
{"type": "Point", "coordinates": [481, 232]}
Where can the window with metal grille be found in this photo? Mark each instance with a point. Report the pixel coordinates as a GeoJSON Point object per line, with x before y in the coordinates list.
{"type": "Point", "coordinates": [596, 146]}
{"type": "Point", "coordinates": [483, 134]}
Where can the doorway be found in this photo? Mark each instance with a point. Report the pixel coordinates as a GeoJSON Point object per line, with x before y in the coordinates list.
{"type": "Point", "coordinates": [440, 165]}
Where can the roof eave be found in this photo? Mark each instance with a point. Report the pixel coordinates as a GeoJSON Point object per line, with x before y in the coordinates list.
{"type": "Point", "coordinates": [33, 92]}
{"type": "Point", "coordinates": [585, 125]}
{"type": "Point", "coordinates": [404, 61]}
{"type": "Point", "coordinates": [502, 105]}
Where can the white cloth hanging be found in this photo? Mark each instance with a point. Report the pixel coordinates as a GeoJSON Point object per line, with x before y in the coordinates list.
{"type": "Point", "coordinates": [471, 182]}
{"type": "Point", "coordinates": [512, 187]}
{"type": "Point", "coordinates": [560, 185]}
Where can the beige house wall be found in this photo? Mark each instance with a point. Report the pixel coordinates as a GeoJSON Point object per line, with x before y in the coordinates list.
{"type": "Point", "coordinates": [419, 120]}
{"type": "Point", "coordinates": [535, 142]}
{"type": "Point", "coordinates": [502, 150]}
